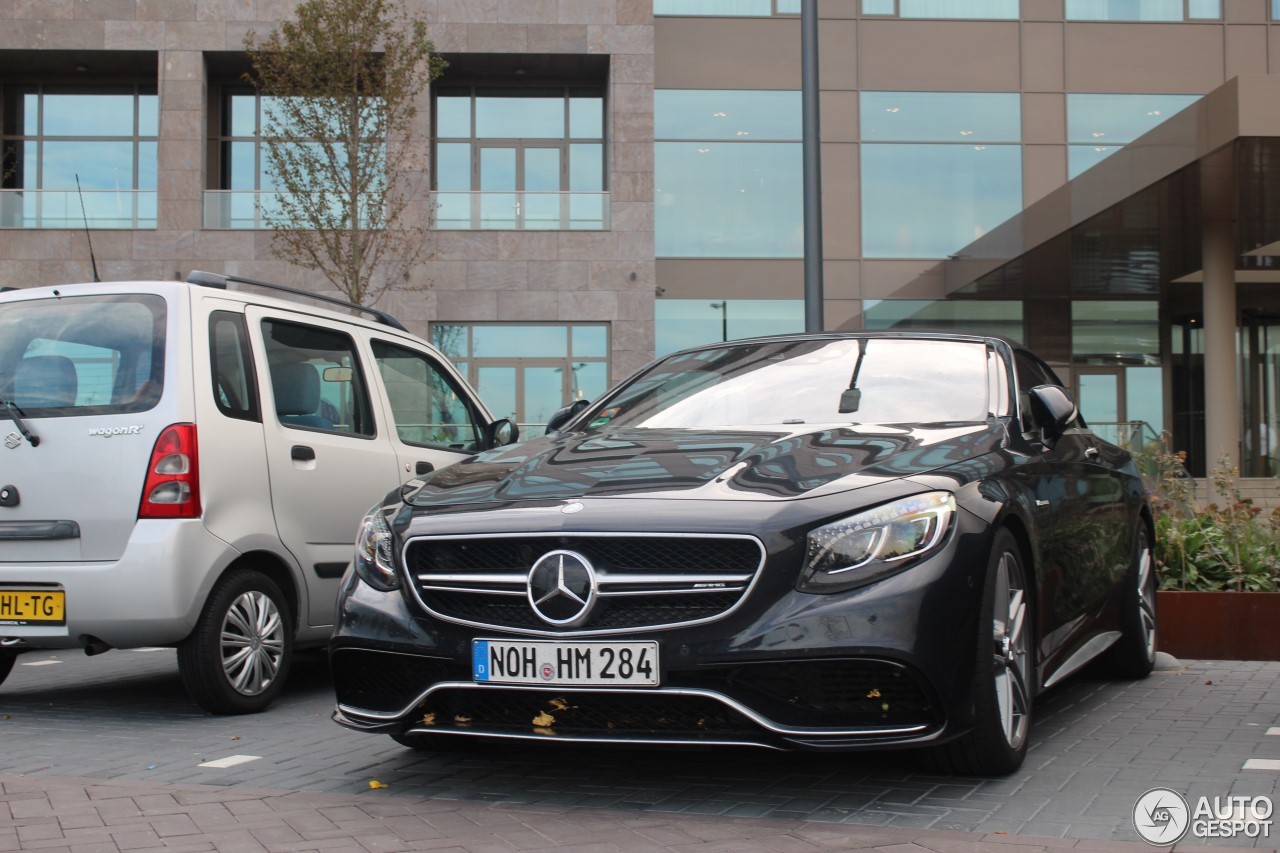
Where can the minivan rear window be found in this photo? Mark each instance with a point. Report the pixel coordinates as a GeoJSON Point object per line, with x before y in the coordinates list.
{"type": "Point", "coordinates": [82, 355]}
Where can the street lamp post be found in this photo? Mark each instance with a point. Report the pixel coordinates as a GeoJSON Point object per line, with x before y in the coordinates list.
{"type": "Point", "coordinates": [724, 318]}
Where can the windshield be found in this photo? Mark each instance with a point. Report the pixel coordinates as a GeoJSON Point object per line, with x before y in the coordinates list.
{"type": "Point", "coordinates": [82, 355]}
{"type": "Point", "coordinates": [852, 380]}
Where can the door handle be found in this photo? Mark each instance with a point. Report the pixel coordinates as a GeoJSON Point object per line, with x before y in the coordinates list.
{"type": "Point", "coordinates": [423, 467]}
{"type": "Point", "coordinates": [1091, 453]}
{"type": "Point", "coordinates": [302, 453]}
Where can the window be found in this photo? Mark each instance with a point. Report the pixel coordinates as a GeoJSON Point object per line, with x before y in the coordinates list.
{"type": "Point", "coordinates": [104, 136]}
{"type": "Point", "coordinates": [939, 170]}
{"type": "Point", "coordinates": [985, 317]}
{"type": "Point", "coordinates": [526, 372]}
{"type": "Point", "coordinates": [731, 186]}
{"type": "Point", "coordinates": [1143, 10]}
{"type": "Point", "coordinates": [942, 8]}
{"type": "Point", "coordinates": [681, 323]}
{"type": "Point", "coordinates": [86, 355]}
{"type": "Point", "coordinates": [1097, 125]}
{"type": "Point", "coordinates": [428, 408]}
{"type": "Point", "coordinates": [1115, 347]}
{"type": "Point", "coordinates": [731, 8]}
{"type": "Point", "coordinates": [316, 382]}
{"type": "Point", "coordinates": [520, 158]}
{"type": "Point", "coordinates": [234, 388]}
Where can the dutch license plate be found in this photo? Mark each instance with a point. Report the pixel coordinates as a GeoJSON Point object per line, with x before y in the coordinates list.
{"type": "Point", "coordinates": [32, 607]}
{"type": "Point", "coordinates": [559, 664]}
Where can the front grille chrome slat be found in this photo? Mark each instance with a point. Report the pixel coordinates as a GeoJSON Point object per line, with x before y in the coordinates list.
{"type": "Point", "coordinates": [643, 581]}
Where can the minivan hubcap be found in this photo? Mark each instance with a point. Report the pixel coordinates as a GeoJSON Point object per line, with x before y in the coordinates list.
{"type": "Point", "coordinates": [1012, 663]}
{"type": "Point", "coordinates": [252, 643]}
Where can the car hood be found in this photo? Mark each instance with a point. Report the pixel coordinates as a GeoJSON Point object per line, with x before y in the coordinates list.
{"type": "Point", "coordinates": [755, 464]}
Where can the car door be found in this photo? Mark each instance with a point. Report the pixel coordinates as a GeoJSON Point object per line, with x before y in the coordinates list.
{"type": "Point", "coordinates": [329, 457]}
{"type": "Point", "coordinates": [435, 420]}
{"type": "Point", "coordinates": [1059, 477]}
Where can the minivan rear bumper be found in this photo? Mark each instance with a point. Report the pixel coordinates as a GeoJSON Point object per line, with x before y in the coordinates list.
{"type": "Point", "coordinates": [151, 596]}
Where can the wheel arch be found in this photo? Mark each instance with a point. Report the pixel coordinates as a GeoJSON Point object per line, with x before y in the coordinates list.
{"type": "Point", "coordinates": [271, 566]}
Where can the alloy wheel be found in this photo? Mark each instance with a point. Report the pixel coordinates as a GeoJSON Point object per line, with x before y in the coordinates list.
{"type": "Point", "coordinates": [1147, 597]}
{"type": "Point", "coordinates": [1012, 662]}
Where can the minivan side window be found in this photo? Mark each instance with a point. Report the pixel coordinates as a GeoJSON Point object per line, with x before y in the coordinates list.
{"type": "Point", "coordinates": [428, 407]}
{"type": "Point", "coordinates": [316, 380]}
{"type": "Point", "coordinates": [234, 388]}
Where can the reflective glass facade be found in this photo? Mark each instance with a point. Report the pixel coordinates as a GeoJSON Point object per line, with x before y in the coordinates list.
{"type": "Point", "coordinates": [520, 158]}
{"type": "Point", "coordinates": [684, 323]}
{"type": "Point", "coordinates": [525, 371]}
{"type": "Point", "coordinates": [85, 153]}
{"type": "Point", "coordinates": [987, 317]}
{"type": "Point", "coordinates": [734, 189]}
{"type": "Point", "coordinates": [1098, 124]}
{"type": "Point", "coordinates": [992, 9]}
{"type": "Point", "coordinates": [1142, 10]}
{"type": "Point", "coordinates": [929, 200]}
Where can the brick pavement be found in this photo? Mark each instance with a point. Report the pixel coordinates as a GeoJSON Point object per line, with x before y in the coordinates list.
{"type": "Point", "coordinates": [123, 718]}
{"type": "Point", "coordinates": [78, 815]}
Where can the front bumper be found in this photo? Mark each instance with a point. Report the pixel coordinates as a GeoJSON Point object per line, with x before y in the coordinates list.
{"type": "Point", "coordinates": [889, 664]}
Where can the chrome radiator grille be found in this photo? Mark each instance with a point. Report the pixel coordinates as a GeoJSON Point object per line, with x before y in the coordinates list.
{"type": "Point", "coordinates": [637, 581]}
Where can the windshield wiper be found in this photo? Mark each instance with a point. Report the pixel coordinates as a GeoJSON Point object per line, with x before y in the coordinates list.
{"type": "Point", "coordinates": [14, 412]}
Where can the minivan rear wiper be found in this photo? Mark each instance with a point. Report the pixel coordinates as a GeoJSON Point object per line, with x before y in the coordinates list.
{"type": "Point", "coordinates": [11, 409]}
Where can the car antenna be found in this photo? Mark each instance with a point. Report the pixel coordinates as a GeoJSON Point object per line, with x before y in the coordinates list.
{"type": "Point", "coordinates": [92, 262]}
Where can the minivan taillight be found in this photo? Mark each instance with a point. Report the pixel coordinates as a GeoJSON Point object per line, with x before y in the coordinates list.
{"type": "Point", "coordinates": [172, 489]}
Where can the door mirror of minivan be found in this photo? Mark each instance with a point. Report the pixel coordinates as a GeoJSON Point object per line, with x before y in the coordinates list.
{"type": "Point", "coordinates": [500, 433]}
{"type": "Point", "coordinates": [565, 414]}
{"type": "Point", "coordinates": [1053, 408]}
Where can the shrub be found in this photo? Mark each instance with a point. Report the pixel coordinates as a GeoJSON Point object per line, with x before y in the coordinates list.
{"type": "Point", "coordinates": [1228, 544]}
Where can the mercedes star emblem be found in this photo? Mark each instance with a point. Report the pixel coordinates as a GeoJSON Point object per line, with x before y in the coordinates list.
{"type": "Point", "coordinates": [562, 588]}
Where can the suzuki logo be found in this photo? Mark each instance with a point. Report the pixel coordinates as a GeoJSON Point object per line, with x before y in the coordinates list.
{"type": "Point", "coordinates": [562, 588]}
{"type": "Point", "coordinates": [12, 440]}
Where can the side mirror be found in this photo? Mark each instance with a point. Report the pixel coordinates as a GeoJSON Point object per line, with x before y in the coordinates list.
{"type": "Point", "coordinates": [563, 415]}
{"type": "Point", "coordinates": [500, 433]}
{"type": "Point", "coordinates": [1053, 408]}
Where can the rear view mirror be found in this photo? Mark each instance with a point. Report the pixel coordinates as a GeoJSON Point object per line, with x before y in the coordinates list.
{"type": "Point", "coordinates": [563, 415]}
{"type": "Point", "coordinates": [501, 432]}
{"type": "Point", "coordinates": [337, 374]}
{"type": "Point", "coordinates": [1053, 408]}
{"type": "Point", "coordinates": [850, 399]}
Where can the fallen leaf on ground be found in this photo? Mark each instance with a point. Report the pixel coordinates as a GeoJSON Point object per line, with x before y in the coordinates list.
{"type": "Point", "coordinates": [544, 719]}
{"type": "Point", "coordinates": [375, 784]}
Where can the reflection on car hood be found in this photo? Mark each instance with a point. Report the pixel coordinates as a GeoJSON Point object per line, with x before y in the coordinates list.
{"type": "Point", "coordinates": [709, 465]}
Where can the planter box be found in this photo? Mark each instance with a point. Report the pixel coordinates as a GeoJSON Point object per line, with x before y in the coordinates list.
{"type": "Point", "coordinates": [1219, 625]}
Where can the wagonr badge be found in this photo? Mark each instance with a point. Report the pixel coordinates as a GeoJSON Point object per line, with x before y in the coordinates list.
{"type": "Point", "coordinates": [107, 432]}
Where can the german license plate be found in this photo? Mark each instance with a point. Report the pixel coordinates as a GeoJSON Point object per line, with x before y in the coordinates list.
{"type": "Point", "coordinates": [32, 607]}
{"type": "Point", "coordinates": [557, 664]}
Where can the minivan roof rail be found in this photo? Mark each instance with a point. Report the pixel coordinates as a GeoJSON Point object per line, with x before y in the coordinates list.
{"type": "Point", "coordinates": [219, 281]}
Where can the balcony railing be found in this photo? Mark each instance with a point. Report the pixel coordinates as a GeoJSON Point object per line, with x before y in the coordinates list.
{"type": "Point", "coordinates": [522, 211]}
{"type": "Point", "coordinates": [471, 211]}
{"type": "Point", "coordinates": [62, 209]}
{"type": "Point", "coordinates": [253, 209]}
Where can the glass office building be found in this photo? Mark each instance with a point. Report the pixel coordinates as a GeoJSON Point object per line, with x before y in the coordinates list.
{"type": "Point", "coordinates": [615, 179]}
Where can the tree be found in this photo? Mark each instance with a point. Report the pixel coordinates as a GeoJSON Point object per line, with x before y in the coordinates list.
{"type": "Point", "coordinates": [339, 85]}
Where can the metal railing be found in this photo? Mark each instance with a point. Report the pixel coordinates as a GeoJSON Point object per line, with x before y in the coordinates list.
{"type": "Point", "coordinates": [522, 211]}
{"type": "Point", "coordinates": [453, 211]}
{"type": "Point", "coordinates": [1131, 435]}
{"type": "Point", "coordinates": [62, 209]}
{"type": "Point", "coordinates": [254, 210]}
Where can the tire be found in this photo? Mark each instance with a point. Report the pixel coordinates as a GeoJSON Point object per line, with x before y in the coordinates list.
{"type": "Point", "coordinates": [238, 657]}
{"type": "Point", "coordinates": [1002, 693]}
{"type": "Point", "coordinates": [6, 664]}
{"type": "Point", "coordinates": [425, 742]}
{"type": "Point", "coordinates": [1134, 654]}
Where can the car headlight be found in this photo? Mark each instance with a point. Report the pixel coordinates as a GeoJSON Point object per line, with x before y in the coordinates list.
{"type": "Point", "coordinates": [373, 561]}
{"type": "Point", "coordinates": [875, 543]}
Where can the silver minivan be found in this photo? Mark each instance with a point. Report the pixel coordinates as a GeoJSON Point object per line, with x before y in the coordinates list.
{"type": "Point", "coordinates": [182, 464]}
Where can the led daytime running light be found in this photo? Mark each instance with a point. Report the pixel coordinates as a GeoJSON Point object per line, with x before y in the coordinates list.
{"type": "Point", "coordinates": [891, 533]}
